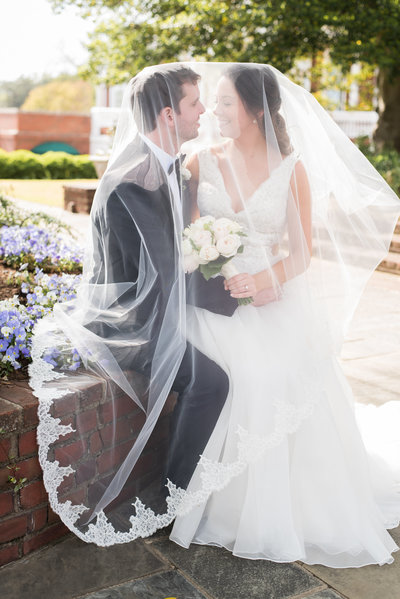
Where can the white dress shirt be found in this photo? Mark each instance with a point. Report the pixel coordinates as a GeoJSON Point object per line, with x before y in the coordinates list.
{"type": "Point", "coordinates": [166, 160]}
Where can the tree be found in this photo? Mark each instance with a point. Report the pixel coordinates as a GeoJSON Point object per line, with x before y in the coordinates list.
{"type": "Point", "coordinates": [61, 96]}
{"type": "Point", "coordinates": [14, 93]}
{"type": "Point", "coordinates": [327, 77]}
{"type": "Point", "coordinates": [137, 33]}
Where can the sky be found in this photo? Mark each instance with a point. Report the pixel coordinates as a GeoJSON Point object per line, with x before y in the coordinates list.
{"type": "Point", "coordinates": [34, 40]}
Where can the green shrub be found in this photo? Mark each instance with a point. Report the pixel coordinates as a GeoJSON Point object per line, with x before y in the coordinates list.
{"type": "Point", "coordinates": [22, 164]}
{"type": "Point", "coordinates": [386, 161]}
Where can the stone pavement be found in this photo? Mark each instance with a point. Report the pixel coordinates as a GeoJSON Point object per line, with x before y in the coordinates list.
{"type": "Point", "coordinates": [78, 221]}
{"type": "Point", "coordinates": [156, 568]}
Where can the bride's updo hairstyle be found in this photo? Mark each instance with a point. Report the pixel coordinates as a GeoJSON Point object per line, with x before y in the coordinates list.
{"type": "Point", "coordinates": [251, 83]}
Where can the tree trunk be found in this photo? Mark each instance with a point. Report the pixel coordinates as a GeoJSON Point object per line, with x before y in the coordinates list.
{"type": "Point", "coordinates": [313, 77]}
{"type": "Point", "coordinates": [387, 132]}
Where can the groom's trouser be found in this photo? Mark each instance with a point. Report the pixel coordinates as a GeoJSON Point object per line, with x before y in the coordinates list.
{"type": "Point", "coordinates": [202, 388]}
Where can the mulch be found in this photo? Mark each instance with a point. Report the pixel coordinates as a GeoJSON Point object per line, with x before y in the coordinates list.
{"type": "Point", "coordinates": [7, 291]}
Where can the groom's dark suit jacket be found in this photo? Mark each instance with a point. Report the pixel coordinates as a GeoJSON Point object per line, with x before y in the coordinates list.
{"type": "Point", "coordinates": [137, 214]}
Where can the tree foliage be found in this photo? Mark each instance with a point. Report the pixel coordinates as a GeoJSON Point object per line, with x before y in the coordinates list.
{"type": "Point", "coordinates": [61, 96]}
{"type": "Point", "coordinates": [14, 93]}
{"type": "Point", "coordinates": [136, 33]}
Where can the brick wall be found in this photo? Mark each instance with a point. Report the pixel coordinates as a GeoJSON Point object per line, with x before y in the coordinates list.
{"type": "Point", "coordinates": [25, 130]}
{"type": "Point", "coordinates": [26, 519]}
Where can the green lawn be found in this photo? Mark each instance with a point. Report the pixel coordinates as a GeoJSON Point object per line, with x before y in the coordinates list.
{"type": "Point", "coordinates": [39, 191]}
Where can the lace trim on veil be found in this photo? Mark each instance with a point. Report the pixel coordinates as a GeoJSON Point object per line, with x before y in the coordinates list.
{"type": "Point", "coordinates": [144, 522]}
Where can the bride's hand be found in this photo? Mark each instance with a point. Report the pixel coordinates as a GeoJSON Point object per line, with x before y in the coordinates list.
{"type": "Point", "coordinates": [241, 285]}
{"type": "Point", "coordinates": [245, 285]}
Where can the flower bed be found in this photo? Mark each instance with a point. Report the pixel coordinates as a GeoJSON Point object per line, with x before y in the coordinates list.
{"type": "Point", "coordinates": [31, 246]}
{"type": "Point", "coordinates": [41, 249]}
{"type": "Point", "coordinates": [19, 315]}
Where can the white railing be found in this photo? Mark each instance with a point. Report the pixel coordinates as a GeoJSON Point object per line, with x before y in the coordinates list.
{"type": "Point", "coordinates": [355, 122]}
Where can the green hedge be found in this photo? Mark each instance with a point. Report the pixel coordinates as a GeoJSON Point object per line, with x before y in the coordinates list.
{"type": "Point", "coordinates": [386, 162]}
{"type": "Point", "coordinates": [22, 164]}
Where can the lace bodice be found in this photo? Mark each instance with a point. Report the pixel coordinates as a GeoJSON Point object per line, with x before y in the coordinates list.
{"type": "Point", "coordinates": [264, 218]}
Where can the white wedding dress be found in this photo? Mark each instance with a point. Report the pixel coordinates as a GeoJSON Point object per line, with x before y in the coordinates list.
{"type": "Point", "coordinates": [286, 470]}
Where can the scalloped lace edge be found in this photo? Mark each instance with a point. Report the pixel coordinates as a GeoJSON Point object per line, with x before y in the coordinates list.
{"type": "Point", "coordinates": [215, 476]}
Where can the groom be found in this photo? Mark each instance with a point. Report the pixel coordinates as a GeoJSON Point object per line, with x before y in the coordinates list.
{"type": "Point", "coordinates": [167, 108]}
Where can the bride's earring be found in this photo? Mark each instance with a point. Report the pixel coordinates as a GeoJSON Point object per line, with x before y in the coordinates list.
{"type": "Point", "coordinates": [255, 121]}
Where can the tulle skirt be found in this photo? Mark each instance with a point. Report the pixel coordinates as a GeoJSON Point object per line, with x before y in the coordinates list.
{"type": "Point", "coordinates": [295, 469]}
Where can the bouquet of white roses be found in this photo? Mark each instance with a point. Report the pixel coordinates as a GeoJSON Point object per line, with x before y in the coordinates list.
{"type": "Point", "coordinates": [209, 244]}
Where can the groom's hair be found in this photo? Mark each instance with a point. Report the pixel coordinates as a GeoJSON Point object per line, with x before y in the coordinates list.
{"type": "Point", "coordinates": [161, 89]}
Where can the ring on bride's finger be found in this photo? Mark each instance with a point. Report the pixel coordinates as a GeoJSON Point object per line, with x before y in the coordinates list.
{"type": "Point", "coordinates": [246, 287]}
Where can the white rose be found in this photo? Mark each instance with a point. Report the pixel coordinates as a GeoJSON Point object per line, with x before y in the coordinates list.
{"type": "Point", "coordinates": [209, 253]}
{"type": "Point", "coordinates": [191, 262]}
{"type": "Point", "coordinates": [191, 230]}
{"type": "Point", "coordinates": [187, 247]}
{"type": "Point", "coordinates": [235, 227]}
{"type": "Point", "coordinates": [222, 227]}
{"type": "Point", "coordinates": [196, 227]}
{"type": "Point", "coordinates": [205, 220]}
{"type": "Point", "coordinates": [201, 237]}
{"type": "Point", "coordinates": [229, 245]}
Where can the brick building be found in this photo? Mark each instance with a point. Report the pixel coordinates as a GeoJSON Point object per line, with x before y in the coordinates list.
{"type": "Point", "coordinates": [42, 131]}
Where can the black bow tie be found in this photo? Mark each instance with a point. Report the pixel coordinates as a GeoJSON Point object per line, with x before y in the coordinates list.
{"type": "Point", "coordinates": [177, 165]}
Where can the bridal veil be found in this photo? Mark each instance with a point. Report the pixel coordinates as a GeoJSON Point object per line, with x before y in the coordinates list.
{"type": "Point", "coordinates": [104, 363]}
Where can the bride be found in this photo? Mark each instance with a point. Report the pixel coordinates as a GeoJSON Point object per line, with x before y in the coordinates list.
{"type": "Point", "coordinates": [260, 446]}
{"type": "Point", "coordinates": [301, 484]}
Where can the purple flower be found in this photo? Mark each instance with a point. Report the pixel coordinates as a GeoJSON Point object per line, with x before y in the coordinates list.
{"type": "Point", "coordinates": [17, 321]}
{"type": "Point", "coordinates": [20, 334]}
{"type": "Point", "coordinates": [74, 366]}
{"type": "Point", "coordinates": [3, 344]}
{"type": "Point", "coordinates": [32, 240]}
{"type": "Point", "coordinates": [49, 360]}
{"type": "Point", "coordinates": [12, 353]}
